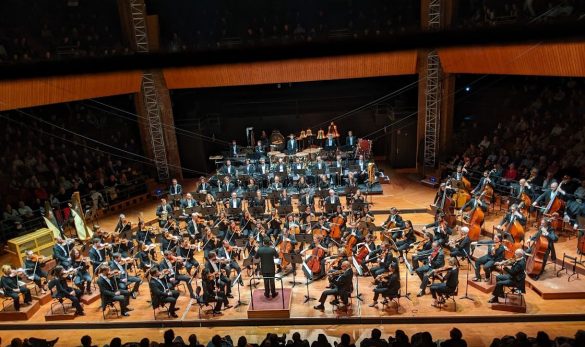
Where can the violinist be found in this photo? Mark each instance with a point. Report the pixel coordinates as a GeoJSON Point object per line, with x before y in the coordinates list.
{"type": "Point", "coordinates": [172, 264]}
{"type": "Point", "coordinates": [274, 224]}
{"type": "Point", "coordinates": [228, 253]}
{"type": "Point", "coordinates": [384, 257]}
{"type": "Point", "coordinates": [495, 254]}
{"type": "Point", "coordinates": [82, 277]}
{"type": "Point", "coordinates": [440, 229]}
{"type": "Point", "coordinates": [193, 226]}
{"type": "Point", "coordinates": [61, 251]}
{"type": "Point", "coordinates": [111, 292]}
{"type": "Point", "coordinates": [164, 211]}
{"type": "Point", "coordinates": [547, 231]}
{"type": "Point", "coordinates": [247, 223]}
{"type": "Point", "coordinates": [169, 241]}
{"type": "Point", "coordinates": [210, 242]}
{"type": "Point", "coordinates": [335, 262]}
{"type": "Point", "coordinates": [388, 285]}
{"type": "Point", "coordinates": [33, 265]}
{"type": "Point", "coordinates": [144, 257]}
{"type": "Point", "coordinates": [10, 286]}
{"type": "Point", "coordinates": [318, 251]}
{"type": "Point", "coordinates": [434, 261]}
{"type": "Point", "coordinates": [222, 223]}
{"type": "Point", "coordinates": [511, 276]}
{"type": "Point", "coordinates": [449, 282]}
{"type": "Point", "coordinates": [120, 265]}
{"type": "Point", "coordinates": [186, 251]}
{"type": "Point", "coordinates": [209, 201]}
{"type": "Point", "coordinates": [407, 238]}
{"type": "Point", "coordinates": [212, 292]}
{"type": "Point", "coordinates": [423, 249]}
{"type": "Point", "coordinates": [342, 287]}
{"type": "Point", "coordinates": [188, 202]}
{"type": "Point", "coordinates": [161, 292]}
{"type": "Point", "coordinates": [258, 201]}
{"type": "Point", "coordinates": [123, 226]}
{"type": "Point", "coordinates": [143, 234]}
{"type": "Point", "coordinates": [364, 249]}
{"type": "Point", "coordinates": [233, 232]}
{"type": "Point", "coordinates": [64, 291]}
{"type": "Point", "coordinates": [97, 254]}
{"type": "Point", "coordinates": [217, 267]}
{"type": "Point", "coordinates": [462, 246]}
{"type": "Point", "coordinates": [203, 187]}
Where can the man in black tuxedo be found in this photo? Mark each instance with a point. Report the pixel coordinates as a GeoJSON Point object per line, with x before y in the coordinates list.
{"type": "Point", "coordinates": [164, 211]}
{"type": "Point", "coordinates": [234, 201]}
{"type": "Point", "coordinates": [462, 247]}
{"type": "Point", "coordinates": [512, 276]}
{"type": "Point", "coordinates": [228, 169]}
{"type": "Point", "coordinates": [110, 291]}
{"type": "Point", "coordinates": [449, 283]}
{"type": "Point", "coordinates": [342, 287]}
{"type": "Point", "coordinates": [249, 168]}
{"type": "Point", "coordinates": [61, 251]}
{"type": "Point", "coordinates": [330, 143]}
{"type": "Point", "coordinates": [267, 254]}
{"type": "Point", "coordinates": [204, 187]}
{"type": "Point", "coordinates": [435, 261]}
{"type": "Point", "coordinates": [332, 199]}
{"type": "Point", "coordinates": [161, 293]}
{"type": "Point", "coordinates": [188, 202]}
{"type": "Point", "coordinates": [234, 149]}
{"type": "Point", "coordinates": [388, 286]}
{"type": "Point", "coordinates": [546, 230]}
{"type": "Point", "coordinates": [97, 255]}
{"type": "Point", "coordinates": [175, 188]}
{"type": "Point", "coordinates": [125, 279]}
{"type": "Point", "coordinates": [350, 140]}
{"type": "Point", "coordinates": [291, 144]}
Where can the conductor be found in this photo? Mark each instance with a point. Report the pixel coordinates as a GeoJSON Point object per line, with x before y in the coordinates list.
{"type": "Point", "coordinates": [267, 255]}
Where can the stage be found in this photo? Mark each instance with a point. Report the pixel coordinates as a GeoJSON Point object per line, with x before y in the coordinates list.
{"type": "Point", "coordinates": [402, 192]}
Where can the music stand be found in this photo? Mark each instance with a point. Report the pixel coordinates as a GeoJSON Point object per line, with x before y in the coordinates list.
{"type": "Point", "coordinates": [469, 264]}
{"type": "Point", "coordinates": [237, 280]}
{"type": "Point", "coordinates": [175, 198]}
{"type": "Point", "coordinates": [249, 195]}
{"type": "Point", "coordinates": [318, 171]}
{"type": "Point", "coordinates": [189, 210]}
{"type": "Point", "coordinates": [256, 210]}
{"type": "Point", "coordinates": [330, 208]}
{"type": "Point", "coordinates": [222, 195]}
{"type": "Point", "coordinates": [350, 191]}
{"type": "Point", "coordinates": [284, 210]}
{"type": "Point", "coordinates": [198, 196]}
{"type": "Point", "coordinates": [410, 270]}
{"type": "Point", "coordinates": [359, 272]}
{"type": "Point", "coordinates": [208, 211]}
{"type": "Point", "coordinates": [244, 177]}
{"type": "Point", "coordinates": [354, 168]}
{"type": "Point", "coordinates": [357, 206]}
{"type": "Point", "coordinates": [294, 258]}
{"type": "Point", "coordinates": [253, 264]}
{"type": "Point", "coordinates": [234, 211]}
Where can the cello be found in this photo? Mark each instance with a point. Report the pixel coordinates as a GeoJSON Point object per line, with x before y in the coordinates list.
{"type": "Point", "coordinates": [335, 225]}
{"type": "Point", "coordinates": [314, 262]}
{"type": "Point", "coordinates": [535, 262]}
{"type": "Point", "coordinates": [284, 247]}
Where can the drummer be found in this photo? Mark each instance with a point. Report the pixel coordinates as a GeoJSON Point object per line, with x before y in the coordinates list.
{"type": "Point", "coordinates": [291, 144]}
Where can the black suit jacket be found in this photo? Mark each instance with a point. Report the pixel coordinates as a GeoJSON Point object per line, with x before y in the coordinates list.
{"type": "Point", "coordinates": [344, 281]}
{"type": "Point", "coordinates": [266, 255]}
{"type": "Point", "coordinates": [451, 278]}
{"type": "Point", "coordinates": [518, 273]}
{"type": "Point", "coordinates": [438, 261]}
{"type": "Point", "coordinates": [237, 201]}
{"type": "Point", "coordinates": [9, 284]}
{"type": "Point", "coordinates": [158, 290]}
{"type": "Point", "coordinates": [61, 254]}
{"type": "Point", "coordinates": [108, 291]}
{"type": "Point", "coordinates": [95, 258]}
{"type": "Point", "coordinates": [350, 141]}
{"type": "Point", "coordinates": [176, 190]}
{"type": "Point", "coordinates": [285, 201]}
{"type": "Point", "coordinates": [185, 203]}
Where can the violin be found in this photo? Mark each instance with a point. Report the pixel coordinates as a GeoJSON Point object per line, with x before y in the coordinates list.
{"type": "Point", "coordinates": [37, 258]}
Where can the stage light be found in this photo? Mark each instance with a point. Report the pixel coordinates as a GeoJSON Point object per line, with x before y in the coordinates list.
{"type": "Point", "coordinates": [468, 88]}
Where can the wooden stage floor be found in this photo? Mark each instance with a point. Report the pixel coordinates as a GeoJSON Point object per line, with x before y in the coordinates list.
{"type": "Point", "coordinates": [402, 193]}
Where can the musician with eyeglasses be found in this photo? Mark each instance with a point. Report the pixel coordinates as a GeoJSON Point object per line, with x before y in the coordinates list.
{"type": "Point", "coordinates": [449, 281]}
{"type": "Point", "coordinates": [435, 260]}
{"type": "Point", "coordinates": [33, 266]}
{"type": "Point", "coordinates": [162, 292]}
{"type": "Point", "coordinates": [111, 291]}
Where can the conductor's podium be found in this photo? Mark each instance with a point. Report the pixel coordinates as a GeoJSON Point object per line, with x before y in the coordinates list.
{"type": "Point", "coordinates": [262, 307]}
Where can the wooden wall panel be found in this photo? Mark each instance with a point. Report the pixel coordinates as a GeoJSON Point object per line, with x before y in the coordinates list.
{"type": "Point", "coordinates": [294, 70]}
{"type": "Point", "coordinates": [51, 90]}
{"type": "Point", "coordinates": [546, 59]}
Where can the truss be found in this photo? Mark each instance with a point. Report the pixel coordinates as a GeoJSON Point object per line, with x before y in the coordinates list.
{"type": "Point", "coordinates": [138, 13]}
{"type": "Point", "coordinates": [151, 102]}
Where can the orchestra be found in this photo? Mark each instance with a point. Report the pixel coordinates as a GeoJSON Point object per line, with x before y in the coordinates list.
{"type": "Point", "coordinates": [265, 202]}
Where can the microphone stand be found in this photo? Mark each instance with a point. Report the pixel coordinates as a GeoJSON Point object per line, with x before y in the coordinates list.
{"type": "Point", "coordinates": [467, 256]}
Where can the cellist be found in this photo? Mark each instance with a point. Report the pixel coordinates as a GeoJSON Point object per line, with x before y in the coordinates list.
{"type": "Point", "coordinates": [547, 231]}
{"type": "Point", "coordinates": [286, 242]}
{"type": "Point", "coordinates": [514, 214]}
{"type": "Point", "coordinates": [317, 247]}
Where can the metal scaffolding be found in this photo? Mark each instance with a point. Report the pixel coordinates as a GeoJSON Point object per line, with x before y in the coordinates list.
{"type": "Point", "coordinates": [433, 91]}
{"type": "Point", "coordinates": [151, 102]}
{"type": "Point", "coordinates": [138, 13]}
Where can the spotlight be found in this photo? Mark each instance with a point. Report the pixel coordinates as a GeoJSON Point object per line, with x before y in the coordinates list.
{"type": "Point", "coordinates": [468, 88]}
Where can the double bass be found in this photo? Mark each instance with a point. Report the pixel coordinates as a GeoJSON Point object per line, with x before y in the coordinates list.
{"type": "Point", "coordinates": [516, 230]}
{"type": "Point", "coordinates": [535, 262]}
{"type": "Point", "coordinates": [488, 189]}
{"type": "Point", "coordinates": [476, 217]}
{"type": "Point", "coordinates": [448, 207]}
{"type": "Point", "coordinates": [552, 210]}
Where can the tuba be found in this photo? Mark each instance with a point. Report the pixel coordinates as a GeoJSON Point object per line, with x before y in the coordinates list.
{"type": "Point", "coordinates": [371, 173]}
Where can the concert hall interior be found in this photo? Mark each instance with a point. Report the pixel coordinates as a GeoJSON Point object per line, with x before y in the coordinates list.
{"type": "Point", "coordinates": [292, 173]}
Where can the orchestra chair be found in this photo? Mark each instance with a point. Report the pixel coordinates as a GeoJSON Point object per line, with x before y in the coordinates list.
{"type": "Point", "coordinates": [160, 307]}
{"type": "Point", "coordinates": [108, 304]}
{"type": "Point", "coordinates": [392, 298]}
{"type": "Point", "coordinates": [6, 300]}
{"type": "Point", "coordinates": [57, 299]}
{"type": "Point", "coordinates": [442, 298]}
{"type": "Point", "coordinates": [202, 303]}
{"type": "Point", "coordinates": [513, 294]}
{"type": "Point", "coordinates": [335, 306]}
